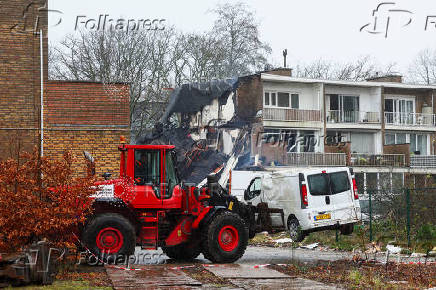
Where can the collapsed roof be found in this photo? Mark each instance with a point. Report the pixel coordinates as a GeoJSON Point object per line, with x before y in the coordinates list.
{"type": "Point", "coordinates": [191, 98]}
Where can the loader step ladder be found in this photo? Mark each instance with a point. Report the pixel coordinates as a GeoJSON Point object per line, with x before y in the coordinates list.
{"type": "Point", "coordinates": [150, 230]}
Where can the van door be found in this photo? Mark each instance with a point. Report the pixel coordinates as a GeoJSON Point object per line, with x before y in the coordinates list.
{"type": "Point", "coordinates": [342, 196]}
{"type": "Point", "coordinates": [252, 193]}
{"type": "Point", "coordinates": [319, 198]}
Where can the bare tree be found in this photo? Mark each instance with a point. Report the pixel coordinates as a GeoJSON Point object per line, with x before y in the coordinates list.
{"type": "Point", "coordinates": [358, 70]}
{"type": "Point", "coordinates": [237, 31]}
{"type": "Point", "coordinates": [423, 67]}
{"type": "Point", "coordinates": [144, 59]}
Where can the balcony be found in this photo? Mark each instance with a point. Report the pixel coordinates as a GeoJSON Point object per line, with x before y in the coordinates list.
{"type": "Point", "coordinates": [316, 159]}
{"type": "Point", "coordinates": [357, 160]}
{"type": "Point", "coordinates": [423, 161]}
{"type": "Point", "coordinates": [294, 115]}
{"type": "Point", "coordinates": [378, 160]}
{"type": "Point", "coordinates": [409, 119]}
{"type": "Point", "coordinates": [353, 117]}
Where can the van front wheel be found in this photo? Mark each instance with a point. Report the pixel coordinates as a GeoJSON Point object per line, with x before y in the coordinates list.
{"type": "Point", "coordinates": [295, 232]}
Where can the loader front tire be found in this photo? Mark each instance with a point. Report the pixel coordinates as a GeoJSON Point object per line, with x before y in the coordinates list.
{"type": "Point", "coordinates": [109, 234]}
{"type": "Point", "coordinates": [225, 238]}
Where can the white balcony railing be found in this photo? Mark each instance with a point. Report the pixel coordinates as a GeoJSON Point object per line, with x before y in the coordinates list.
{"type": "Point", "coordinates": [409, 119]}
{"type": "Point", "coordinates": [285, 114]}
{"type": "Point", "coordinates": [423, 161]}
{"type": "Point", "coordinates": [352, 117]}
{"type": "Point", "coordinates": [316, 159]}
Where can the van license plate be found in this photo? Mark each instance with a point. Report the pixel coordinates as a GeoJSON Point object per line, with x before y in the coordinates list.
{"type": "Point", "coordinates": [326, 216]}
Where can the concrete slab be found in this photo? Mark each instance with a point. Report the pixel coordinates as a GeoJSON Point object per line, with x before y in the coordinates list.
{"type": "Point", "coordinates": [245, 272]}
{"type": "Point", "coordinates": [280, 283]}
{"type": "Point", "coordinates": [154, 276]}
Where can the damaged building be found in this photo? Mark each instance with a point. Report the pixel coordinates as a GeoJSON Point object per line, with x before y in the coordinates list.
{"type": "Point", "coordinates": [211, 124]}
{"type": "Point", "coordinates": [382, 127]}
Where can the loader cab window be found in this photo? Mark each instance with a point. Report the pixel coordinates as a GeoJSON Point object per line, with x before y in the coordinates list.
{"type": "Point", "coordinates": [253, 189]}
{"type": "Point", "coordinates": [170, 172]}
{"type": "Point", "coordinates": [147, 170]}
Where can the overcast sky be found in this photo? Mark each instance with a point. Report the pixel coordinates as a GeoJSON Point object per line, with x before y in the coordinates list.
{"type": "Point", "coordinates": [309, 29]}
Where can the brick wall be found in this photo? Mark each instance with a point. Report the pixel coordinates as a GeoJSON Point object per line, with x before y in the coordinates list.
{"type": "Point", "coordinates": [86, 116]}
{"type": "Point", "coordinates": [20, 73]}
{"type": "Point", "coordinates": [249, 97]}
{"type": "Point", "coordinates": [102, 144]}
{"type": "Point", "coordinates": [398, 149]}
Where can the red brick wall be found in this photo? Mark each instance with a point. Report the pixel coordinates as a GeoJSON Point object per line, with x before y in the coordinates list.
{"type": "Point", "coordinates": [20, 73]}
{"type": "Point", "coordinates": [86, 103]}
{"type": "Point", "coordinates": [398, 149]}
{"type": "Point", "coordinates": [86, 116]}
{"type": "Point", "coordinates": [249, 97]}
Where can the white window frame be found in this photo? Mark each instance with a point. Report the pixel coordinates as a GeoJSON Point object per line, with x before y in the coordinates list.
{"type": "Point", "coordinates": [290, 93]}
{"type": "Point", "coordinates": [408, 140]}
{"type": "Point", "coordinates": [396, 98]}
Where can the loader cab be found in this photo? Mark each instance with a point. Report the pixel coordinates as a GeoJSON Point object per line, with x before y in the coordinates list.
{"type": "Point", "coordinates": [152, 170]}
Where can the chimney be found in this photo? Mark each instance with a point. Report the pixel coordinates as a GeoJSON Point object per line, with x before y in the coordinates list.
{"type": "Point", "coordinates": [391, 78]}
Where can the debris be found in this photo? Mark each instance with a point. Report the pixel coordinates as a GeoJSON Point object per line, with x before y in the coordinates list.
{"type": "Point", "coordinates": [393, 249]}
{"type": "Point", "coordinates": [310, 246]}
{"type": "Point", "coordinates": [413, 255]}
{"type": "Point", "coordinates": [36, 264]}
{"type": "Point", "coordinates": [284, 240]}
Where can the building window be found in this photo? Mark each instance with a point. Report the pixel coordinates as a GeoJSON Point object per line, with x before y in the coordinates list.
{"type": "Point", "coordinates": [295, 102]}
{"type": "Point", "coordinates": [273, 99]}
{"type": "Point", "coordinates": [389, 139]}
{"type": "Point", "coordinates": [418, 142]}
{"type": "Point", "coordinates": [281, 100]}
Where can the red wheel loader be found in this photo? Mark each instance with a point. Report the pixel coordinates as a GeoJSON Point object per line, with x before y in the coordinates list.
{"type": "Point", "coordinates": [149, 206]}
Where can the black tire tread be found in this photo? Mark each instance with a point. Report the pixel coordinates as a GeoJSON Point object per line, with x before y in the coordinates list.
{"type": "Point", "coordinates": [207, 247]}
{"type": "Point", "coordinates": [97, 221]}
{"type": "Point", "coordinates": [182, 252]}
{"type": "Point", "coordinates": [301, 235]}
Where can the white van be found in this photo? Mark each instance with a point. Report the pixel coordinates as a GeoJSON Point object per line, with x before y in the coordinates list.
{"type": "Point", "coordinates": [311, 199]}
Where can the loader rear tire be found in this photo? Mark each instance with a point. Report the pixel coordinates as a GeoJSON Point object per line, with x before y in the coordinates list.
{"type": "Point", "coordinates": [182, 252]}
{"type": "Point", "coordinates": [110, 234]}
{"type": "Point", "coordinates": [225, 238]}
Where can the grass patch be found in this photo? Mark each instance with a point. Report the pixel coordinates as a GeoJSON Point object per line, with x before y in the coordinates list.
{"type": "Point", "coordinates": [367, 275]}
{"type": "Point", "coordinates": [65, 285]}
{"type": "Point", "coordinates": [328, 238]}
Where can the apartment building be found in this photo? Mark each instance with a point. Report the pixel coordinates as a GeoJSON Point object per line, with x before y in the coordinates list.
{"type": "Point", "coordinates": [382, 127]}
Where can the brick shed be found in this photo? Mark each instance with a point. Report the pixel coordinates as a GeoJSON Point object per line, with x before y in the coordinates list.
{"type": "Point", "coordinates": [86, 116]}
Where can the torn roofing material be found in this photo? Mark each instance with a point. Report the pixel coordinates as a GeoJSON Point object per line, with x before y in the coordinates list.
{"type": "Point", "coordinates": [191, 98]}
